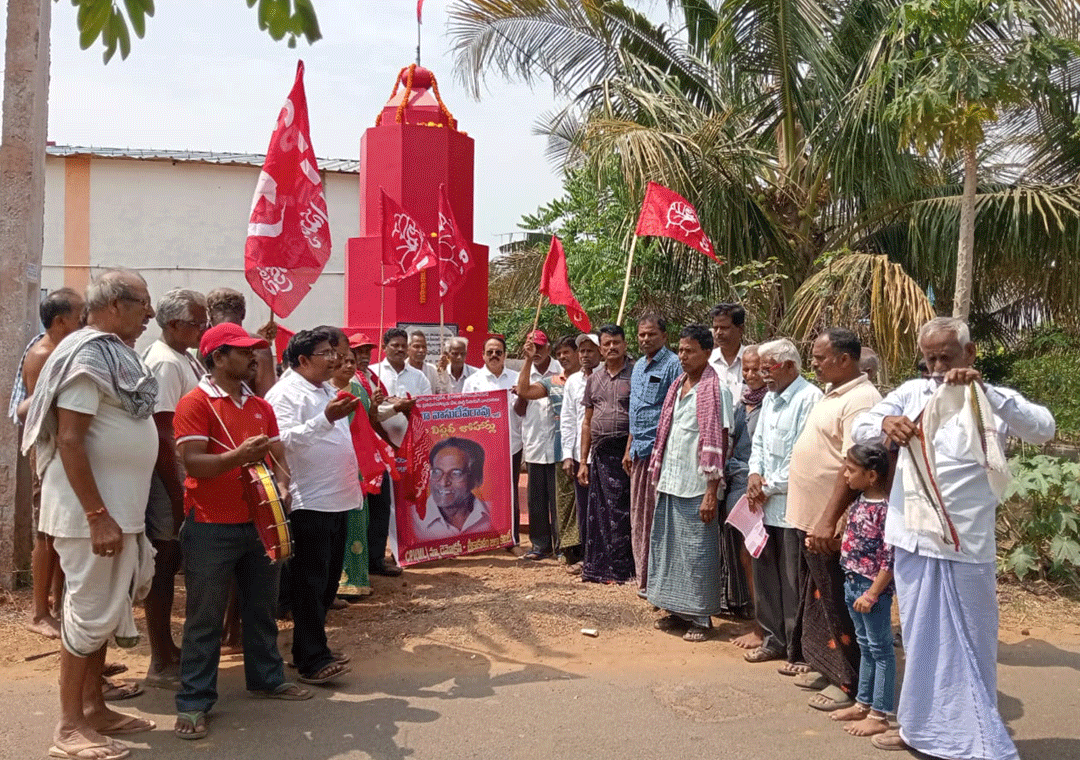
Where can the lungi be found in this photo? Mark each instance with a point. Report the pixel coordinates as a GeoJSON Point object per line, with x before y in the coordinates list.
{"type": "Point", "coordinates": [99, 592]}
{"type": "Point", "coordinates": [609, 554]}
{"type": "Point", "coordinates": [354, 570]}
{"type": "Point", "coordinates": [949, 615]}
{"type": "Point", "coordinates": [566, 506]}
{"type": "Point", "coordinates": [684, 560]}
{"type": "Point", "coordinates": [642, 507]}
{"type": "Point", "coordinates": [735, 598]}
{"type": "Point", "coordinates": [828, 635]}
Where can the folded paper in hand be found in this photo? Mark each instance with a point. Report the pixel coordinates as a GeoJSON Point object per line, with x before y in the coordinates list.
{"type": "Point", "coordinates": [750, 525]}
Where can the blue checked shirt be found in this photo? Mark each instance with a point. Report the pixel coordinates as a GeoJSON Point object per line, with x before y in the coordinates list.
{"type": "Point", "coordinates": [649, 385]}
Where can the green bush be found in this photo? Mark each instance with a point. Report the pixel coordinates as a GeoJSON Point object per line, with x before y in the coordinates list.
{"type": "Point", "coordinates": [1053, 380]}
{"type": "Point", "coordinates": [1039, 522]}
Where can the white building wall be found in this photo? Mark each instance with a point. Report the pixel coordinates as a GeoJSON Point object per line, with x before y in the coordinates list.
{"type": "Point", "coordinates": [184, 224]}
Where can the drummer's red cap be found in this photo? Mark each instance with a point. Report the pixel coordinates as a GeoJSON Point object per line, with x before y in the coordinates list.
{"type": "Point", "coordinates": [228, 334]}
{"type": "Point", "coordinates": [359, 340]}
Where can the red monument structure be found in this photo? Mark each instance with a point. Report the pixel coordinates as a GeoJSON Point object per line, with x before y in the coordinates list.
{"type": "Point", "coordinates": [414, 147]}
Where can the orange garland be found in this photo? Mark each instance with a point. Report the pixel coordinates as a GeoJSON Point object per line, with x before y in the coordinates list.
{"type": "Point", "coordinates": [399, 116]}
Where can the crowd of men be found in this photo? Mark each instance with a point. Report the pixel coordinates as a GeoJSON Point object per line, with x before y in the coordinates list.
{"type": "Point", "coordinates": [143, 462]}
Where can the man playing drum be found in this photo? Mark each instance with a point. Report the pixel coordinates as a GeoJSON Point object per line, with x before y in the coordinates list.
{"type": "Point", "coordinates": [221, 427]}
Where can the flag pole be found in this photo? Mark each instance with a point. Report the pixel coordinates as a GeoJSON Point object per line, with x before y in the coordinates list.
{"type": "Point", "coordinates": [536, 320]}
{"type": "Point", "coordinates": [626, 283]}
{"type": "Point", "coordinates": [442, 329]}
{"type": "Point", "coordinates": [382, 312]}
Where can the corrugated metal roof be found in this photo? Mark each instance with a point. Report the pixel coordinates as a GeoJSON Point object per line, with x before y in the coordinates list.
{"type": "Point", "coordinates": [336, 165]}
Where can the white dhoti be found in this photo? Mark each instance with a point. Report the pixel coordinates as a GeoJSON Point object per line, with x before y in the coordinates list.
{"type": "Point", "coordinates": [949, 616]}
{"type": "Point", "coordinates": [99, 592]}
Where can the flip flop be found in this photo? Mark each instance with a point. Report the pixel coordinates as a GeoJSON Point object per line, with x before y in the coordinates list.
{"type": "Point", "coordinates": [193, 719]}
{"type": "Point", "coordinates": [114, 669]}
{"type": "Point", "coordinates": [696, 634]}
{"type": "Point", "coordinates": [114, 691]}
{"type": "Point", "coordinates": [88, 750]}
{"type": "Point", "coordinates": [670, 623]}
{"type": "Point", "coordinates": [830, 698]}
{"type": "Point", "coordinates": [762, 655]}
{"type": "Point", "coordinates": [812, 681]}
{"type": "Point", "coordinates": [327, 674]}
{"type": "Point", "coordinates": [339, 657]}
{"type": "Point", "coordinates": [890, 741]}
{"type": "Point", "coordinates": [793, 669]}
{"type": "Point", "coordinates": [287, 691]}
{"type": "Point", "coordinates": [167, 681]}
{"type": "Point", "coordinates": [128, 724]}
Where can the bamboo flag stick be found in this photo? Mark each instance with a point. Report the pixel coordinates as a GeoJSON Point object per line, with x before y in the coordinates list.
{"type": "Point", "coordinates": [626, 283]}
{"type": "Point", "coordinates": [382, 312]}
{"type": "Point", "coordinates": [442, 328]}
{"type": "Point", "coordinates": [536, 320]}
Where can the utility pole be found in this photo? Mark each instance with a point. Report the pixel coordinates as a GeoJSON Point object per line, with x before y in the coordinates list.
{"type": "Point", "coordinates": [22, 221]}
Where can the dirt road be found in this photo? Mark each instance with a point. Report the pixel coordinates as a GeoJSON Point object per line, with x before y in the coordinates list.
{"type": "Point", "coordinates": [483, 657]}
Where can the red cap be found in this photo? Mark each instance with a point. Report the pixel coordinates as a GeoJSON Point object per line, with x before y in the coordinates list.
{"type": "Point", "coordinates": [539, 338]}
{"type": "Point", "coordinates": [359, 340]}
{"type": "Point", "coordinates": [228, 334]}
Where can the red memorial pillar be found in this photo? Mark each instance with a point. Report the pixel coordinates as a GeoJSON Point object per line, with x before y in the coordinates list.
{"type": "Point", "coordinates": [414, 148]}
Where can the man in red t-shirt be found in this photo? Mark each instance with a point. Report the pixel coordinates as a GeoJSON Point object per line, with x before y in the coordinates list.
{"type": "Point", "coordinates": [220, 427]}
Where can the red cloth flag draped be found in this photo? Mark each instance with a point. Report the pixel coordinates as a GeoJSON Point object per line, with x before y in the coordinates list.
{"type": "Point", "coordinates": [419, 11]}
{"type": "Point", "coordinates": [288, 240]}
{"type": "Point", "coordinates": [373, 454]}
{"type": "Point", "coordinates": [455, 254]}
{"type": "Point", "coordinates": [555, 284]}
{"type": "Point", "coordinates": [665, 213]}
{"type": "Point", "coordinates": [406, 249]}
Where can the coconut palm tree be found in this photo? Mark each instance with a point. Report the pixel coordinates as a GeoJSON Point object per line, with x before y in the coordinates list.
{"type": "Point", "coordinates": [766, 114]}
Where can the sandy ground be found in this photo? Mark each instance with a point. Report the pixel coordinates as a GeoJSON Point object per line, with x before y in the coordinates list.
{"type": "Point", "coordinates": [491, 647]}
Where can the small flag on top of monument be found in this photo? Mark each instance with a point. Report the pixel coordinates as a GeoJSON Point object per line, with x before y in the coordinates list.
{"type": "Point", "coordinates": [555, 284]}
{"type": "Point", "coordinates": [455, 257]}
{"type": "Point", "coordinates": [665, 213]}
{"type": "Point", "coordinates": [288, 240]}
{"type": "Point", "coordinates": [406, 249]}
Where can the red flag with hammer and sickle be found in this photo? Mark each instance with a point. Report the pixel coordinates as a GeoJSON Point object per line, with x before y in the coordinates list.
{"type": "Point", "coordinates": [455, 254]}
{"type": "Point", "coordinates": [665, 213]}
{"type": "Point", "coordinates": [406, 249]}
{"type": "Point", "coordinates": [288, 240]}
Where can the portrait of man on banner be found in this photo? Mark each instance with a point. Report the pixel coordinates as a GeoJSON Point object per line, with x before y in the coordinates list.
{"type": "Point", "coordinates": [455, 495]}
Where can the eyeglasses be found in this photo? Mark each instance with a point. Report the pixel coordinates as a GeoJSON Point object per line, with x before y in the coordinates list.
{"type": "Point", "coordinates": [144, 302]}
{"type": "Point", "coordinates": [197, 325]}
{"type": "Point", "coordinates": [456, 475]}
{"type": "Point", "coordinates": [328, 354]}
{"type": "Point", "coordinates": [494, 352]}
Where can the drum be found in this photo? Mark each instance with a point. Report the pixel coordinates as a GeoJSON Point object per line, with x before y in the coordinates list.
{"type": "Point", "coordinates": [268, 512]}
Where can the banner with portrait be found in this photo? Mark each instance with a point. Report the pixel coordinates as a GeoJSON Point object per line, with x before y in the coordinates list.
{"type": "Point", "coordinates": [455, 493]}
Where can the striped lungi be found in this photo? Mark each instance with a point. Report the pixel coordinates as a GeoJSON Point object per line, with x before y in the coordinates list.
{"type": "Point", "coordinates": [684, 560]}
{"type": "Point", "coordinates": [949, 615]}
{"type": "Point", "coordinates": [642, 507]}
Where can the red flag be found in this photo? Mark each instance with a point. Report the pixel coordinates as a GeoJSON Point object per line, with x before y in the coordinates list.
{"type": "Point", "coordinates": [419, 11]}
{"type": "Point", "coordinates": [416, 450]}
{"type": "Point", "coordinates": [373, 454]}
{"type": "Point", "coordinates": [288, 240]}
{"type": "Point", "coordinates": [455, 257]}
{"type": "Point", "coordinates": [406, 249]}
{"type": "Point", "coordinates": [665, 213]}
{"type": "Point", "coordinates": [555, 284]}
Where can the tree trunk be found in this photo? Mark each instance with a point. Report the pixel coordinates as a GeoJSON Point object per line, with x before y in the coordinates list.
{"type": "Point", "coordinates": [965, 250]}
{"type": "Point", "coordinates": [22, 220]}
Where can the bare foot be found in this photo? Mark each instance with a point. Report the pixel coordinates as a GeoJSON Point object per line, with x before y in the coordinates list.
{"type": "Point", "coordinates": [228, 649]}
{"type": "Point", "coordinates": [44, 626]}
{"type": "Point", "coordinates": [868, 726]}
{"type": "Point", "coordinates": [751, 640]}
{"type": "Point", "coordinates": [855, 712]}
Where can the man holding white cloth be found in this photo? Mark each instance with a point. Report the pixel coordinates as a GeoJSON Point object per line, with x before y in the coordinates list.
{"type": "Point", "coordinates": [946, 582]}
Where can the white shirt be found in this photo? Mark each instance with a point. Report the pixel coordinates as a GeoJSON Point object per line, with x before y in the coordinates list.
{"type": "Point", "coordinates": [429, 371]}
{"type": "Point", "coordinates": [122, 451]}
{"type": "Point", "coordinates": [573, 414]}
{"type": "Point", "coordinates": [482, 380]}
{"type": "Point", "coordinates": [730, 374]}
{"type": "Point", "coordinates": [538, 426]}
{"type": "Point", "coordinates": [783, 416]}
{"type": "Point", "coordinates": [409, 383]}
{"type": "Point", "coordinates": [319, 452]}
{"type": "Point", "coordinates": [445, 383]}
{"type": "Point", "coordinates": [177, 374]}
{"type": "Point", "coordinates": [434, 526]}
{"type": "Point", "coordinates": [965, 487]}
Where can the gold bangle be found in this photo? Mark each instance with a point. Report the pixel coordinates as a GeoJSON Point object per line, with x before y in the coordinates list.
{"type": "Point", "coordinates": [96, 513]}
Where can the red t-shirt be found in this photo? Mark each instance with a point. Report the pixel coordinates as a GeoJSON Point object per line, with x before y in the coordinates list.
{"type": "Point", "coordinates": [220, 499]}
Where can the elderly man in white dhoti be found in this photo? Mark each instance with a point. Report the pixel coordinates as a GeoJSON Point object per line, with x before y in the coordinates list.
{"type": "Point", "coordinates": [951, 472]}
{"type": "Point", "coordinates": [90, 420]}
